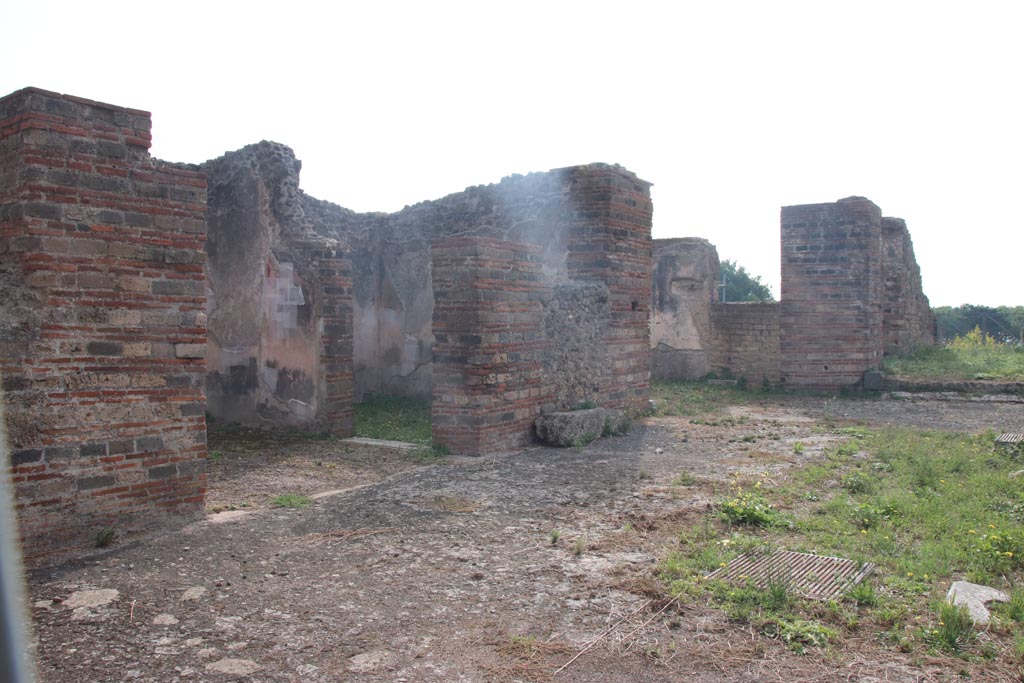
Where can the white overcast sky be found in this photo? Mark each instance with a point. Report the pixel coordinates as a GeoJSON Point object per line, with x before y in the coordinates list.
{"type": "Point", "coordinates": [731, 109]}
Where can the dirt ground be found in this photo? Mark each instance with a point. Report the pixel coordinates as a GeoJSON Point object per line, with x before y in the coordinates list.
{"type": "Point", "coordinates": [446, 572]}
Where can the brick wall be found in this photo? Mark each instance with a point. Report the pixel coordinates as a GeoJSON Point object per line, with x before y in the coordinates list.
{"type": "Point", "coordinates": [908, 320]}
{"type": "Point", "coordinates": [102, 296]}
{"type": "Point", "coordinates": [831, 302]}
{"type": "Point", "coordinates": [610, 242]}
{"type": "Point", "coordinates": [746, 341]}
{"type": "Point", "coordinates": [489, 348]}
{"type": "Point", "coordinates": [280, 329]}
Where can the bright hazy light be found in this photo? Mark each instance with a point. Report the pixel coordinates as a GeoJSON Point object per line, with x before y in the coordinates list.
{"type": "Point", "coordinates": [731, 109]}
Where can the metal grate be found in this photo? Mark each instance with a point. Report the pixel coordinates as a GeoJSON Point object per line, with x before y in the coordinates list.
{"type": "Point", "coordinates": [1010, 439]}
{"type": "Point", "coordinates": [813, 576]}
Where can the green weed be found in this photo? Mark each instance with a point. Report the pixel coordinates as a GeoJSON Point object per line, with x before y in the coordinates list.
{"type": "Point", "coordinates": [954, 630]}
{"type": "Point", "coordinates": [749, 507]}
{"type": "Point", "coordinates": [291, 500]}
{"type": "Point", "coordinates": [684, 479]}
{"type": "Point", "coordinates": [105, 537]}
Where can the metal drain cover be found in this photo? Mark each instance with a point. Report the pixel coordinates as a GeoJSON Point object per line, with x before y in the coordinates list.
{"type": "Point", "coordinates": [813, 576]}
{"type": "Point", "coordinates": [1010, 439]}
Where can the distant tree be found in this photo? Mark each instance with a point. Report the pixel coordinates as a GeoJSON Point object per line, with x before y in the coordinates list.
{"type": "Point", "coordinates": [741, 285]}
{"type": "Point", "coordinates": [1002, 324]}
{"type": "Point", "coordinates": [1015, 316]}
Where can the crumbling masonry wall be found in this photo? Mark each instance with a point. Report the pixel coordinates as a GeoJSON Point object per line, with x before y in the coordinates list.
{"type": "Point", "coordinates": [588, 229]}
{"type": "Point", "coordinates": [684, 285]}
{"type": "Point", "coordinates": [907, 317]}
{"type": "Point", "coordinates": [103, 337]}
{"type": "Point", "coordinates": [851, 293]}
{"type": "Point", "coordinates": [280, 304]}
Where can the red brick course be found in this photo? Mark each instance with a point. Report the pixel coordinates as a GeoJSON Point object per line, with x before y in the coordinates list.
{"type": "Point", "coordinates": [104, 292]}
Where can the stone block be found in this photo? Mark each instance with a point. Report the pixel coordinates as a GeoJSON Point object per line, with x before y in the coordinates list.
{"type": "Point", "coordinates": [572, 428]}
{"type": "Point", "coordinates": [874, 380]}
{"type": "Point", "coordinates": [190, 350]}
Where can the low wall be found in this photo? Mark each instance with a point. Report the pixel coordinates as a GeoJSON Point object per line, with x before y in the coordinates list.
{"type": "Point", "coordinates": [746, 341]}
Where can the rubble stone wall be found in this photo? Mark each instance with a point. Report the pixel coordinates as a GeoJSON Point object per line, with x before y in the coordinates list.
{"type": "Point", "coordinates": [280, 304]}
{"type": "Point", "coordinates": [102, 300]}
{"type": "Point", "coordinates": [684, 281]}
{"type": "Point", "coordinates": [745, 343]}
{"type": "Point", "coordinates": [907, 316]}
{"type": "Point", "coordinates": [577, 364]}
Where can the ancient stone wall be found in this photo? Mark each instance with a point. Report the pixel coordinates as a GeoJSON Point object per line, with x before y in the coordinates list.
{"type": "Point", "coordinates": [572, 329]}
{"type": "Point", "coordinates": [610, 242]}
{"type": "Point", "coordinates": [684, 283]}
{"type": "Point", "coordinates": [908, 319]}
{"type": "Point", "coordinates": [745, 343]}
{"type": "Point", "coordinates": [102, 300]}
{"type": "Point", "coordinates": [280, 305]}
{"type": "Point", "coordinates": [831, 316]}
{"type": "Point", "coordinates": [489, 380]}
{"type": "Point", "coordinates": [578, 363]}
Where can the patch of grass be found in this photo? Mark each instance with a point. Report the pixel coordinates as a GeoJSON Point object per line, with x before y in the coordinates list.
{"type": "Point", "coordinates": [394, 418]}
{"type": "Point", "coordinates": [579, 546]}
{"type": "Point", "coordinates": [973, 356]}
{"type": "Point", "coordinates": [554, 535]}
{"type": "Point", "coordinates": [215, 455]}
{"type": "Point", "coordinates": [583, 440]}
{"type": "Point", "coordinates": [684, 479]}
{"type": "Point", "coordinates": [863, 594]}
{"type": "Point", "coordinates": [430, 454]}
{"type": "Point", "coordinates": [683, 398]}
{"type": "Point", "coordinates": [925, 507]}
{"type": "Point", "coordinates": [105, 537]}
{"type": "Point", "coordinates": [954, 629]}
{"type": "Point", "coordinates": [616, 427]}
{"type": "Point", "coordinates": [799, 447]}
{"type": "Point", "coordinates": [798, 634]}
{"type": "Point", "coordinates": [291, 500]}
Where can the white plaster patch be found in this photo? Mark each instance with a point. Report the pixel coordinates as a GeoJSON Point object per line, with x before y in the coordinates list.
{"type": "Point", "coordinates": [234, 667]}
{"type": "Point", "coordinates": [193, 593]}
{"type": "Point", "coordinates": [370, 661]}
{"type": "Point", "coordinates": [91, 598]}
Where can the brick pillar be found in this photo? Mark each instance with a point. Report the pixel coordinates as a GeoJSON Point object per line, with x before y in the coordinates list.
{"type": "Point", "coordinates": [610, 242]}
{"type": "Point", "coordinates": [102, 303]}
{"type": "Point", "coordinates": [330, 268]}
{"type": "Point", "coordinates": [831, 303]}
{"type": "Point", "coordinates": [489, 344]}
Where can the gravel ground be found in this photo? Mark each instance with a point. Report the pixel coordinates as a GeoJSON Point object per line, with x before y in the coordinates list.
{"type": "Point", "coordinates": [448, 572]}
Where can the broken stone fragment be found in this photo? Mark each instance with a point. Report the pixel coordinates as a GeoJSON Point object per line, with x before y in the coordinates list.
{"type": "Point", "coordinates": [976, 597]}
{"type": "Point", "coordinates": [234, 667]}
{"type": "Point", "coordinates": [574, 428]}
{"type": "Point", "coordinates": [91, 598]}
